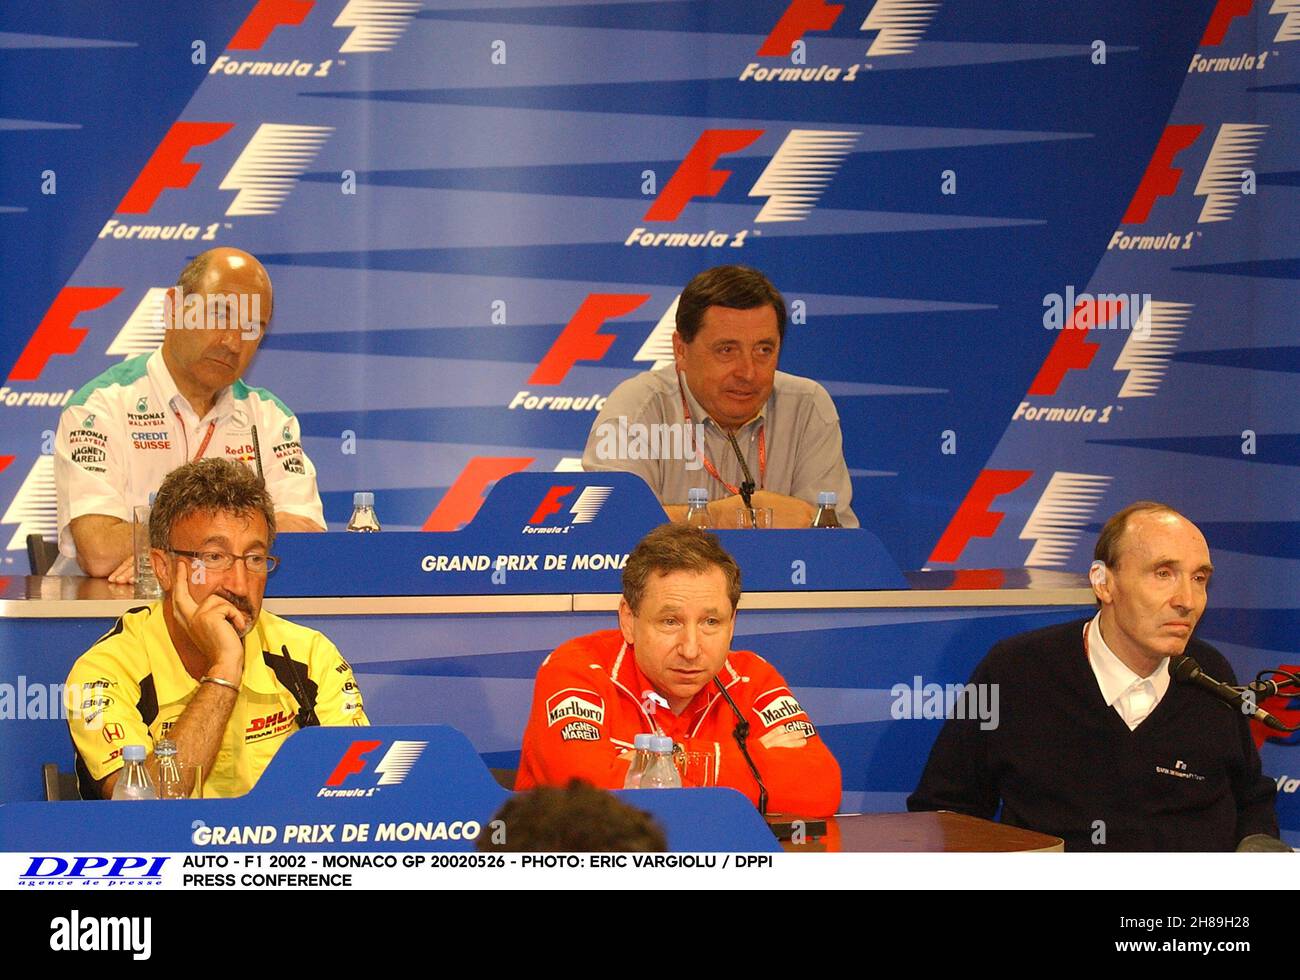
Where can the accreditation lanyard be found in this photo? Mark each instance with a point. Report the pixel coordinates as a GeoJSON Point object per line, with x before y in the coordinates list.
{"type": "Point", "coordinates": [708, 464]}
{"type": "Point", "coordinates": [212, 427]}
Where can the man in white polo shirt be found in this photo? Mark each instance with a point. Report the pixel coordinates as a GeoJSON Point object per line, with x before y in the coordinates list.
{"type": "Point", "coordinates": [131, 426]}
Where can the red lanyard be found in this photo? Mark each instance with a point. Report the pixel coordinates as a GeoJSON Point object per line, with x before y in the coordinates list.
{"type": "Point", "coordinates": [713, 470]}
{"type": "Point", "coordinates": [212, 427]}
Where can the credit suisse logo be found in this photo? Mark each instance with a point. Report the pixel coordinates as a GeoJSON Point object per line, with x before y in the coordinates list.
{"type": "Point", "coordinates": [1064, 509]}
{"type": "Point", "coordinates": [800, 170]}
{"type": "Point", "coordinates": [356, 771]}
{"type": "Point", "coordinates": [1226, 177]}
{"type": "Point", "coordinates": [262, 176]}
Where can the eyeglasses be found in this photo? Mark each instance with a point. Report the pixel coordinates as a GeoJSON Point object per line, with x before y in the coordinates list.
{"type": "Point", "coordinates": [221, 561]}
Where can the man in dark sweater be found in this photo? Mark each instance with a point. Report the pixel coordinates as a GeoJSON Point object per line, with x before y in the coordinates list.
{"type": "Point", "coordinates": [1093, 743]}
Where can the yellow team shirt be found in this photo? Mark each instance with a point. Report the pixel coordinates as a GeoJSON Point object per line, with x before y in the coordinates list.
{"type": "Point", "coordinates": [131, 687]}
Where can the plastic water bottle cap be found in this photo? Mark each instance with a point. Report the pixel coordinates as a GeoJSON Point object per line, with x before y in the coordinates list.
{"type": "Point", "coordinates": [642, 742]}
{"type": "Point", "coordinates": [363, 498]}
{"type": "Point", "coordinates": [661, 743]}
{"type": "Point", "coordinates": [826, 498]}
{"type": "Point", "coordinates": [164, 746]}
{"type": "Point", "coordinates": [134, 753]}
{"type": "Point", "coordinates": [697, 495]}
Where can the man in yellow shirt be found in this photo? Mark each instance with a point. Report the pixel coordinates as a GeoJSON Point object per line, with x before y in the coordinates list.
{"type": "Point", "coordinates": [205, 666]}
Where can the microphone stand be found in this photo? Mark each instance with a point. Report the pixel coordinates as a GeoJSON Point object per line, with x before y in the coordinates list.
{"type": "Point", "coordinates": [747, 487]}
{"type": "Point", "coordinates": [741, 733]}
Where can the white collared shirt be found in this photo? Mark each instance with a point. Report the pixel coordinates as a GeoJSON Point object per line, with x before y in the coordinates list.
{"type": "Point", "coordinates": [129, 427]}
{"type": "Point", "coordinates": [1132, 696]}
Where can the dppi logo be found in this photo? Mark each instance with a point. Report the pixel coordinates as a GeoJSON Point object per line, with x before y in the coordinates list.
{"type": "Point", "coordinates": [93, 870]}
{"type": "Point", "coordinates": [583, 511]}
{"type": "Point", "coordinates": [793, 182]}
{"type": "Point", "coordinates": [901, 24]}
{"type": "Point", "coordinates": [376, 26]}
{"type": "Point", "coordinates": [1225, 178]}
{"type": "Point", "coordinates": [1055, 525]}
{"type": "Point", "coordinates": [1227, 11]}
{"type": "Point", "coordinates": [392, 769]}
{"type": "Point", "coordinates": [263, 174]}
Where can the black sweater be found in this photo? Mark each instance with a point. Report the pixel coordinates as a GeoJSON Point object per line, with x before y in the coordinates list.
{"type": "Point", "coordinates": [1186, 779]}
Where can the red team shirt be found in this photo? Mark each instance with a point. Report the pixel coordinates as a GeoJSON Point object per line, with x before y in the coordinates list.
{"type": "Point", "coordinates": [588, 706]}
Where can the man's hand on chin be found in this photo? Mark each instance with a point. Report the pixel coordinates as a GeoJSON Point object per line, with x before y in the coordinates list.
{"type": "Point", "coordinates": [294, 522]}
{"type": "Point", "coordinates": [216, 627]}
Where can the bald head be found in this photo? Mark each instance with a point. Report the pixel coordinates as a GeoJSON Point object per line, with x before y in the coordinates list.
{"type": "Point", "coordinates": [216, 316]}
{"type": "Point", "coordinates": [226, 270]}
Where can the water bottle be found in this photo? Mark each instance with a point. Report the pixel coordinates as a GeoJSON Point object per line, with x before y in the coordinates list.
{"type": "Point", "coordinates": [134, 783]}
{"type": "Point", "coordinates": [697, 508]}
{"type": "Point", "coordinates": [363, 513]}
{"type": "Point", "coordinates": [661, 772]}
{"type": "Point", "coordinates": [641, 745]}
{"type": "Point", "coordinates": [171, 784]}
{"type": "Point", "coordinates": [825, 516]}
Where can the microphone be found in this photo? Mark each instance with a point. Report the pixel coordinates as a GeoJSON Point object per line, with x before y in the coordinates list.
{"type": "Point", "coordinates": [740, 733]}
{"type": "Point", "coordinates": [748, 486]}
{"type": "Point", "coordinates": [1187, 671]}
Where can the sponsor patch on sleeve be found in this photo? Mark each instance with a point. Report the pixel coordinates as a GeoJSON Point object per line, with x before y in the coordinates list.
{"type": "Point", "coordinates": [573, 702]}
{"type": "Point", "coordinates": [580, 731]}
{"type": "Point", "coordinates": [778, 707]}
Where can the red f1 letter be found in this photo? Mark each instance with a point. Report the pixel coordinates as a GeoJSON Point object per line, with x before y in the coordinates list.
{"type": "Point", "coordinates": [55, 333]}
{"type": "Point", "coordinates": [799, 18]}
{"type": "Point", "coordinates": [550, 504]}
{"type": "Point", "coordinates": [973, 518]}
{"type": "Point", "coordinates": [168, 167]}
{"type": "Point", "coordinates": [1072, 350]}
{"type": "Point", "coordinates": [351, 762]}
{"type": "Point", "coordinates": [464, 497]}
{"type": "Point", "coordinates": [579, 341]}
{"type": "Point", "coordinates": [265, 18]}
{"type": "Point", "coordinates": [1225, 12]}
{"type": "Point", "coordinates": [1161, 177]}
{"type": "Point", "coordinates": [696, 176]}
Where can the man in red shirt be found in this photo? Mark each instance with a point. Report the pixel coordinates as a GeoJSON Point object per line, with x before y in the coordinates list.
{"type": "Point", "coordinates": [664, 671]}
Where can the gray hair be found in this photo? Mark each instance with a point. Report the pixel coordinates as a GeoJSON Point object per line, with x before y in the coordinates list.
{"type": "Point", "coordinates": [208, 486]}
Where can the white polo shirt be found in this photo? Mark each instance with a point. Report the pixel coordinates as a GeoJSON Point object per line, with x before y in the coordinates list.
{"type": "Point", "coordinates": [128, 428]}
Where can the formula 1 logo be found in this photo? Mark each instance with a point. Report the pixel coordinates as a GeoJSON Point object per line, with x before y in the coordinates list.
{"type": "Point", "coordinates": [1055, 524]}
{"type": "Point", "coordinates": [1153, 330]}
{"type": "Point", "coordinates": [583, 511]}
{"type": "Point", "coordinates": [144, 328]}
{"type": "Point", "coordinates": [975, 517]}
{"type": "Point", "coordinates": [1060, 516]}
{"type": "Point", "coordinates": [1227, 11]}
{"type": "Point", "coordinates": [34, 507]}
{"type": "Point", "coordinates": [793, 180]}
{"type": "Point", "coordinates": [56, 333]}
{"type": "Point", "coordinates": [1225, 178]}
{"type": "Point", "coordinates": [901, 24]}
{"type": "Point", "coordinates": [582, 340]}
{"type": "Point", "coordinates": [263, 174]}
{"type": "Point", "coordinates": [377, 25]}
{"type": "Point", "coordinates": [392, 768]}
